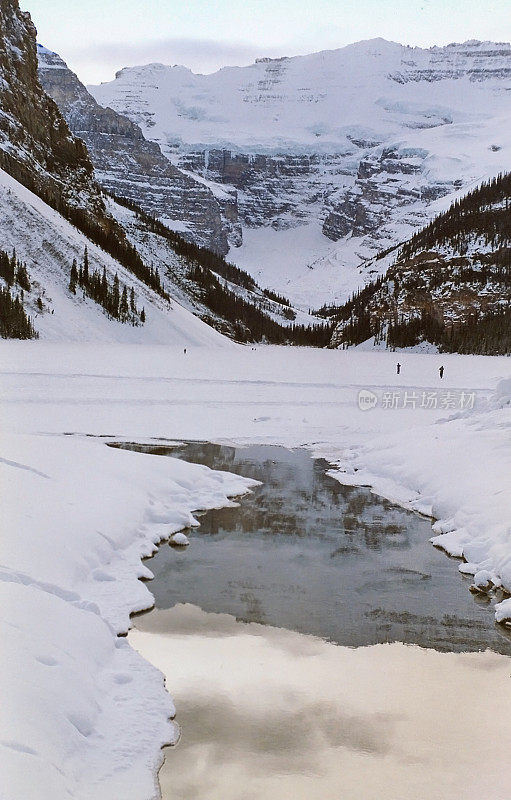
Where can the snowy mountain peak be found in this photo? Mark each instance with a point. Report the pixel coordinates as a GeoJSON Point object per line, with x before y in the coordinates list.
{"type": "Point", "coordinates": [131, 167]}
{"type": "Point", "coordinates": [358, 144]}
{"type": "Point", "coordinates": [153, 68]}
{"type": "Point", "coordinates": [311, 102]}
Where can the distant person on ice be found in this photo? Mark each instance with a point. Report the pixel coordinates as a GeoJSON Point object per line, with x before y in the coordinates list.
{"type": "Point", "coordinates": [441, 371]}
{"type": "Point", "coordinates": [398, 368]}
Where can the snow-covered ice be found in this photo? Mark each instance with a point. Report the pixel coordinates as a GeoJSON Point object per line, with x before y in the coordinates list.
{"type": "Point", "coordinates": [180, 539]}
{"type": "Point", "coordinates": [85, 714]}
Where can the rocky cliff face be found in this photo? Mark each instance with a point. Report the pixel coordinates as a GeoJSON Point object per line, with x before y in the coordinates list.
{"type": "Point", "coordinates": [132, 167]}
{"type": "Point", "coordinates": [361, 142]}
{"type": "Point", "coordinates": [36, 146]}
{"type": "Point", "coordinates": [390, 182]}
{"type": "Point", "coordinates": [280, 191]}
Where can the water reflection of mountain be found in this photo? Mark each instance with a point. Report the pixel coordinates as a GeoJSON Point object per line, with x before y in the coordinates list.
{"type": "Point", "coordinates": [297, 498]}
{"type": "Point", "coordinates": [305, 553]}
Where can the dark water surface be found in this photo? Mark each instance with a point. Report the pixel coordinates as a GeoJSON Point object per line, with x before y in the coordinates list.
{"type": "Point", "coordinates": [305, 553]}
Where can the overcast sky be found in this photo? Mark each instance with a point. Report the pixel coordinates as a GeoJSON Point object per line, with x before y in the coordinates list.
{"type": "Point", "coordinates": [98, 37]}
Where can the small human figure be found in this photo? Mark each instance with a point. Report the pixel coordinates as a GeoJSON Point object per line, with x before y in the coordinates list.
{"type": "Point", "coordinates": [398, 368]}
{"type": "Point", "coordinates": [441, 371]}
{"type": "Point", "coordinates": [184, 351]}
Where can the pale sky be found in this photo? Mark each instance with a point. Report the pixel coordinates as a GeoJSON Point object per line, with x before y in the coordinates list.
{"type": "Point", "coordinates": [98, 37]}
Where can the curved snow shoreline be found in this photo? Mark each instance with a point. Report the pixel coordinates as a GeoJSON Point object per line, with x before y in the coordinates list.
{"type": "Point", "coordinates": [85, 714]}
{"type": "Point", "coordinates": [458, 473]}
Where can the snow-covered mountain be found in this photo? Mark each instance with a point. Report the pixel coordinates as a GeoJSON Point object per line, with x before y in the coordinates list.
{"type": "Point", "coordinates": [52, 209]}
{"type": "Point", "coordinates": [128, 165]}
{"type": "Point", "coordinates": [36, 145]}
{"type": "Point", "coordinates": [449, 285]}
{"type": "Point", "coordinates": [86, 267]}
{"type": "Point", "coordinates": [47, 243]}
{"type": "Point", "coordinates": [356, 146]}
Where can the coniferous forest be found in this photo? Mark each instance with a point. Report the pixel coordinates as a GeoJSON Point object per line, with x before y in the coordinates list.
{"type": "Point", "coordinates": [248, 321]}
{"type": "Point", "coordinates": [463, 253]}
{"type": "Point", "coordinates": [450, 284]}
{"type": "Point", "coordinates": [15, 323]}
{"type": "Point", "coordinates": [111, 239]}
{"type": "Point", "coordinates": [120, 304]}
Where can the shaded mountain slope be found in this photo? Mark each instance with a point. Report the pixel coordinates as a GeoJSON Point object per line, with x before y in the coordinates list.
{"type": "Point", "coordinates": [449, 284]}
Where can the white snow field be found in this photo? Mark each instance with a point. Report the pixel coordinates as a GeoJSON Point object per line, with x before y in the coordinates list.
{"type": "Point", "coordinates": [82, 715]}
{"type": "Point", "coordinates": [314, 103]}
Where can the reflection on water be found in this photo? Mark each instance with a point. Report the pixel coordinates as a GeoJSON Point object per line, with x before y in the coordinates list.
{"type": "Point", "coordinates": [269, 714]}
{"type": "Point", "coordinates": [305, 553]}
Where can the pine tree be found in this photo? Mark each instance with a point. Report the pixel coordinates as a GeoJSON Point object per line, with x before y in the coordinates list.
{"type": "Point", "coordinates": [22, 278]}
{"type": "Point", "coordinates": [7, 269]}
{"type": "Point", "coordinates": [133, 306]}
{"type": "Point", "coordinates": [85, 272]}
{"type": "Point", "coordinates": [124, 308]}
{"type": "Point", "coordinates": [115, 297]}
{"type": "Point", "coordinates": [13, 266]}
{"type": "Point", "coordinates": [142, 316]}
{"type": "Point", "coordinates": [73, 277]}
{"type": "Point", "coordinates": [14, 322]}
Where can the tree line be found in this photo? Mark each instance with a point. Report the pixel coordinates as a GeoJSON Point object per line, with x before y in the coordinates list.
{"type": "Point", "coordinates": [15, 323]}
{"type": "Point", "coordinates": [110, 236]}
{"type": "Point", "coordinates": [246, 320]}
{"type": "Point", "coordinates": [14, 271]}
{"type": "Point", "coordinates": [250, 323]}
{"type": "Point", "coordinates": [191, 251]}
{"type": "Point", "coordinates": [483, 215]}
{"type": "Point", "coordinates": [277, 298]}
{"type": "Point", "coordinates": [120, 305]}
{"type": "Point", "coordinates": [487, 333]}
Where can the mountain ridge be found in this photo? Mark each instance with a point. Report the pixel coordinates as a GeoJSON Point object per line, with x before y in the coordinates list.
{"type": "Point", "coordinates": [130, 166]}
{"type": "Point", "coordinates": [358, 45]}
{"type": "Point", "coordinates": [357, 143]}
{"type": "Point", "coordinates": [76, 259]}
{"type": "Point", "coordinates": [449, 285]}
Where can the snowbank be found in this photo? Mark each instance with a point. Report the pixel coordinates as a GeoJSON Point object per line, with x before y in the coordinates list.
{"type": "Point", "coordinates": [459, 472]}
{"type": "Point", "coordinates": [82, 714]}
